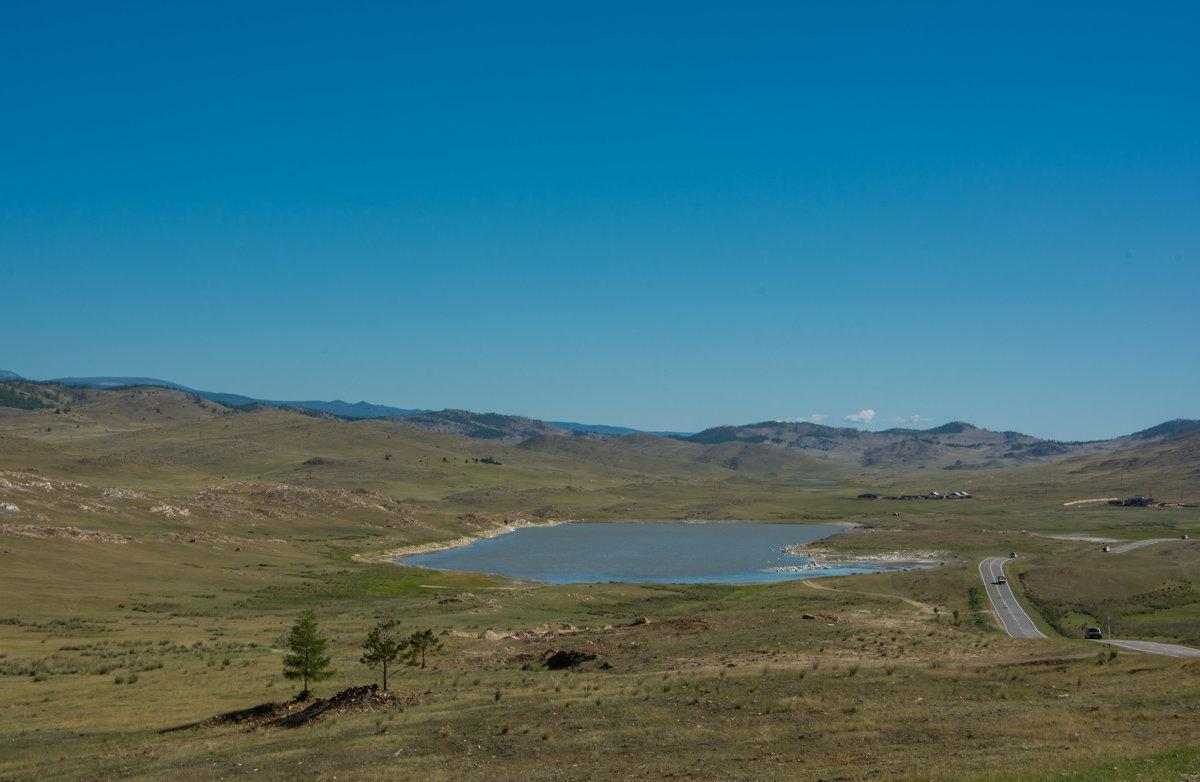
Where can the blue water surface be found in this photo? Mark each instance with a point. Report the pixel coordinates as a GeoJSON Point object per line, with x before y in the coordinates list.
{"type": "Point", "coordinates": [659, 552]}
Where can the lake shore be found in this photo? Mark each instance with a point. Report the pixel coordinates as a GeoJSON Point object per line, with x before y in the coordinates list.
{"type": "Point", "coordinates": [831, 559]}
{"type": "Point", "coordinates": [662, 564]}
{"type": "Point", "coordinates": [394, 555]}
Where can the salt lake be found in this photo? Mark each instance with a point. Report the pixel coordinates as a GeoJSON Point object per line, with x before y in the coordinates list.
{"type": "Point", "coordinates": [659, 552]}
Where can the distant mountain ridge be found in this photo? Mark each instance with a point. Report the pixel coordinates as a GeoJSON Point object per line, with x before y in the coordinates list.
{"type": "Point", "coordinates": [336, 407]}
{"type": "Point", "coordinates": [482, 426]}
{"type": "Point", "coordinates": [477, 425]}
{"type": "Point", "coordinates": [952, 446]}
{"type": "Point", "coordinates": [615, 431]}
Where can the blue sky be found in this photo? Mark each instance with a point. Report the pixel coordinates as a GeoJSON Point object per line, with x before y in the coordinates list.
{"type": "Point", "coordinates": [668, 216]}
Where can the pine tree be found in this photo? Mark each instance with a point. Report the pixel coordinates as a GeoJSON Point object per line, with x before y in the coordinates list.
{"type": "Point", "coordinates": [382, 648]}
{"type": "Point", "coordinates": [307, 660]}
{"type": "Point", "coordinates": [419, 644]}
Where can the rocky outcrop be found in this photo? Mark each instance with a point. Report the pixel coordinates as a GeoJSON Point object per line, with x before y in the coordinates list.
{"type": "Point", "coordinates": [72, 533]}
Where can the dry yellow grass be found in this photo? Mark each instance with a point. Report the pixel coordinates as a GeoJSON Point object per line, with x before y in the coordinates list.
{"type": "Point", "coordinates": [103, 645]}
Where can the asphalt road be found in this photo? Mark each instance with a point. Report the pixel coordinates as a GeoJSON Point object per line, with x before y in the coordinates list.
{"type": "Point", "coordinates": [1016, 622]}
{"type": "Point", "coordinates": [1171, 650]}
{"type": "Point", "coordinates": [1138, 544]}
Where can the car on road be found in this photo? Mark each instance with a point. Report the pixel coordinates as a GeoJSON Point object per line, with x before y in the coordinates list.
{"type": "Point", "coordinates": [1001, 580]}
{"type": "Point", "coordinates": [1012, 555]}
{"type": "Point", "coordinates": [1093, 633]}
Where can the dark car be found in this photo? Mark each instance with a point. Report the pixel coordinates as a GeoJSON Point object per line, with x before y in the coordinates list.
{"type": "Point", "coordinates": [1093, 633]}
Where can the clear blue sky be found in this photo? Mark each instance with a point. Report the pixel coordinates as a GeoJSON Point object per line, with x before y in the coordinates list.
{"type": "Point", "coordinates": [658, 215]}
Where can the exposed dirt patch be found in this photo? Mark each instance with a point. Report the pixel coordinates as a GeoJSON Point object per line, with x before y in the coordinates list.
{"type": "Point", "coordinates": [115, 493]}
{"type": "Point", "coordinates": [622, 508]}
{"type": "Point", "coordinates": [682, 624]}
{"type": "Point", "coordinates": [353, 700]}
{"type": "Point", "coordinates": [466, 598]}
{"type": "Point", "coordinates": [479, 520]}
{"type": "Point", "coordinates": [532, 654]}
{"type": "Point", "coordinates": [608, 646]}
{"type": "Point", "coordinates": [554, 512]}
{"type": "Point", "coordinates": [925, 607]}
{"type": "Point", "coordinates": [170, 511]}
{"type": "Point", "coordinates": [74, 533]}
{"type": "Point", "coordinates": [300, 500]}
{"type": "Point", "coordinates": [679, 624]}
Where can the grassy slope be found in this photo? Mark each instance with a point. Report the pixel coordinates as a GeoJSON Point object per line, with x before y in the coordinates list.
{"type": "Point", "coordinates": [103, 644]}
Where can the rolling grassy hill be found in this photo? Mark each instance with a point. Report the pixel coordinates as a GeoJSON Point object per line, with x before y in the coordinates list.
{"type": "Point", "coordinates": [955, 445]}
{"type": "Point", "coordinates": [155, 548]}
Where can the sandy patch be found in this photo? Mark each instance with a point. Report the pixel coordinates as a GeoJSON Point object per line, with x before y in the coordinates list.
{"type": "Point", "coordinates": [394, 555]}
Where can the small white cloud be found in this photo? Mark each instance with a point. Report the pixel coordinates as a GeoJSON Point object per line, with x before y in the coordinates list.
{"type": "Point", "coordinates": [916, 418]}
{"type": "Point", "coordinates": [815, 418]}
{"type": "Point", "coordinates": [862, 417]}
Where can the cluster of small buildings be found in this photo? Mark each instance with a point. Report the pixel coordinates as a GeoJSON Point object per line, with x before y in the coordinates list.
{"type": "Point", "coordinates": [1137, 501]}
{"type": "Point", "coordinates": [933, 495]}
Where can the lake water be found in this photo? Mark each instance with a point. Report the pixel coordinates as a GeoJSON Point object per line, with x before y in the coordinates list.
{"type": "Point", "coordinates": [661, 552]}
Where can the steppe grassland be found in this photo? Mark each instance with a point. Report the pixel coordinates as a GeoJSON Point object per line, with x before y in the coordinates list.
{"type": "Point", "coordinates": [868, 684]}
{"type": "Point", "coordinates": [106, 644]}
{"type": "Point", "coordinates": [880, 687]}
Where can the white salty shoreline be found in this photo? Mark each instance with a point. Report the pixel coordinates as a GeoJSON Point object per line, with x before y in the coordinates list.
{"type": "Point", "coordinates": [818, 558]}
{"type": "Point", "coordinates": [829, 559]}
{"type": "Point", "coordinates": [494, 532]}
{"type": "Point", "coordinates": [394, 555]}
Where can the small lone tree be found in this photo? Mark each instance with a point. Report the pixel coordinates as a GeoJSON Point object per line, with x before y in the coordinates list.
{"type": "Point", "coordinates": [419, 644]}
{"type": "Point", "coordinates": [307, 660]}
{"type": "Point", "coordinates": [382, 648]}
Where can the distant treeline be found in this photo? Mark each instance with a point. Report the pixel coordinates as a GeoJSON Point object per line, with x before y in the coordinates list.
{"type": "Point", "coordinates": [10, 397]}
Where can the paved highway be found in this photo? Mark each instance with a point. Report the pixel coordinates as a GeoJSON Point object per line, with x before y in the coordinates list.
{"type": "Point", "coordinates": [1171, 650]}
{"type": "Point", "coordinates": [1138, 544]}
{"type": "Point", "coordinates": [1016, 622]}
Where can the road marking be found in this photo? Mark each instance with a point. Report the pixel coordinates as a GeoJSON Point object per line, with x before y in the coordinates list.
{"type": "Point", "coordinates": [995, 591]}
{"type": "Point", "coordinates": [1005, 601]}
